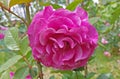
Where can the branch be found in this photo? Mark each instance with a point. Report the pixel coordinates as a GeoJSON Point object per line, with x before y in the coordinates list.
{"type": "Point", "coordinates": [4, 7]}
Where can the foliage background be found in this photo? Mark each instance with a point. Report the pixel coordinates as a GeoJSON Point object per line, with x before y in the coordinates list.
{"type": "Point", "coordinates": [15, 54]}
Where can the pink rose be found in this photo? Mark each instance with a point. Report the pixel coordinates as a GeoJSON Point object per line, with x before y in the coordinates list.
{"type": "Point", "coordinates": [61, 38]}
{"type": "Point", "coordinates": [104, 41]}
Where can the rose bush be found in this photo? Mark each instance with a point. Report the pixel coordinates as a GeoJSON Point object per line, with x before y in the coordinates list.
{"type": "Point", "coordinates": [61, 38]}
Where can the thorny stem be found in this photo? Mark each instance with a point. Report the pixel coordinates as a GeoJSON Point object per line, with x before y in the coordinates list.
{"type": "Point", "coordinates": [30, 67]}
{"type": "Point", "coordinates": [76, 74]}
{"type": "Point", "coordinates": [27, 13]}
{"type": "Point", "coordinates": [4, 7]}
{"type": "Point", "coordinates": [40, 73]}
{"type": "Point", "coordinates": [86, 70]}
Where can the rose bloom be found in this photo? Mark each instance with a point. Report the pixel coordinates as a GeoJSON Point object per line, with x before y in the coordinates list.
{"type": "Point", "coordinates": [61, 38]}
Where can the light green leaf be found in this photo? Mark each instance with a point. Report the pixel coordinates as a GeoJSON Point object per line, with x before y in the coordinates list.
{"type": "Point", "coordinates": [73, 5]}
{"type": "Point", "coordinates": [55, 6]}
{"type": "Point", "coordinates": [11, 39]}
{"type": "Point", "coordinates": [10, 63]}
{"type": "Point", "coordinates": [24, 45]}
{"type": "Point", "coordinates": [14, 2]}
{"type": "Point", "coordinates": [115, 15]}
{"type": "Point", "coordinates": [21, 73]}
{"type": "Point", "coordinates": [94, 20]}
{"type": "Point", "coordinates": [90, 75]}
{"type": "Point", "coordinates": [5, 75]}
{"type": "Point", "coordinates": [105, 76]}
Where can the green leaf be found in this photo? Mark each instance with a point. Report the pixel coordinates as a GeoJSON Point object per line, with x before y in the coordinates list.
{"type": "Point", "coordinates": [33, 72]}
{"type": "Point", "coordinates": [115, 15]}
{"type": "Point", "coordinates": [24, 45]}
{"type": "Point", "coordinates": [5, 75]}
{"type": "Point", "coordinates": [105, 76]}
{"type": "Point", "coordinates": [73, 5]}
{"type": "Point", "coordinates": [52, 77]}
{"type": "Point", "coordinates": [21, 73]}
{"type": "Point", "coordinates": [14, 2]}
{"type": "Point", "coordinates": [11, 39]}
{"type": "Point", "coordinates": [90, 75]}
{"type": "Point", "coordinates": [94, 20]}
{"type": "Point", "coordinates": [10, 63]}
{"type": "Point", "coordinates": [55, 6]}
{"type": "Point", "coordinates": [79, 69]}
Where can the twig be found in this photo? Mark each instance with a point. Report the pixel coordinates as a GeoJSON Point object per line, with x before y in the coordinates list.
{"type": "Point", "coordinates": [4, 7]}
{"type": "Point", "coordinates": [28, 13]}
{"type": "Point", "coordinates": [86, 70]}
{"type": "Point", "coordinates": [40, 73]}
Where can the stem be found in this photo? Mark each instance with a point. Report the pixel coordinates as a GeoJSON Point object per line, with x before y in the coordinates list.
{"type": "Point", "coordinates": [4, 7]}
{"type": "Point", "coordinates": [27, 62]}
{"type": "Point", "coordinates": [67, 2]}
{"type": "Point", "coordinates": [86, 70]}
{"type": "Point", "coordinates": [28, 14]}
{"type": "Point", "coordinates": [6, 15]}
{"type": "Point", "coordinates": [56, 1]}
{"type": "Point", "coordinates": [76, 74]}
{"type": "Point", "coordinates": [40, 73]}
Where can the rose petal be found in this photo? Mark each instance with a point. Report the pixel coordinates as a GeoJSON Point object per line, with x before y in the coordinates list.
{"type": "Point", "coordinates": [56, 23]}
{"type": "Point", "coordinates": [82, 14]}
{"type": "Point", "coordinates": [48, 11]}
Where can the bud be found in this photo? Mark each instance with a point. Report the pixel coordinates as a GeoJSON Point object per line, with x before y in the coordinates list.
{"type": "Point", "coordinates": [104, 41]}
{"type": "Point", "coordinates": [107, 54]}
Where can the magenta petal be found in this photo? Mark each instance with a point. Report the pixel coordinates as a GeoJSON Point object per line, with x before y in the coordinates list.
{"type": "Point", "coordinates": [1, 36]}
{"type": "Point", "coordinates": [44, 36]}
{"type": "Point", "coordinates": [47, 12]}
{"type": "Point", "coordinates": [68, 55]}
{"type": "Point", "coordinates": [61, 38]}
{"type": "Point", "coordinates": [78, 53]}
{"type": "Point", "coordinates": [56, 23]}
{"type": "Point", "coordinates": [58, 42]}
{"type": "Point", "coordinates": [28, 77]}
{"type": "Point", "coordinates": [11, 75]}
{"type": "Point", "coordinates": [76, 19]}
{"type": "Point", "coordinates": [82, 14]}
{"type": "Point", "coordinates": [61, 13]}
{"type": "Point", "coordinates": [70, 41]}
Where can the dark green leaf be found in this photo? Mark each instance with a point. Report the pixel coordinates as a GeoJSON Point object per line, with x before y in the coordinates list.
{"type": "Point", "coordinates": [79, 69]}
